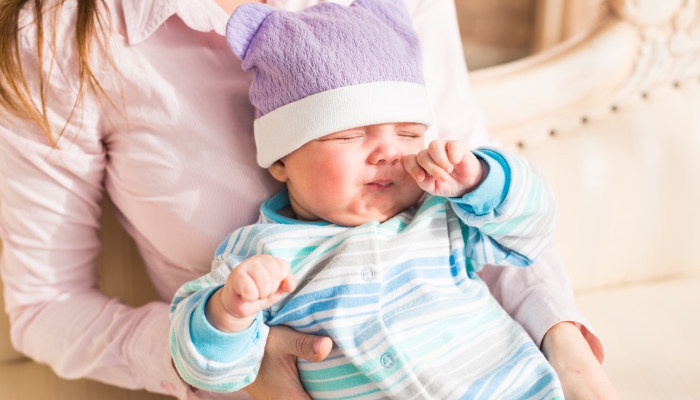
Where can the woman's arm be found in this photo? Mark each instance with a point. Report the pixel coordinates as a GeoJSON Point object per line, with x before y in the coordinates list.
{"type": "Point", "coordinates": [49, 217]}
{"type": "Point", "coordinates": [579, 370]}
{"type": "Point", "coordinates": [539, 297]}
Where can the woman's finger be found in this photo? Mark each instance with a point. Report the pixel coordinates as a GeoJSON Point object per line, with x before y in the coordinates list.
{"type": "Point", "coordinates": [288, 341]}
{"type": "Point", "coordinates": [278, 377]}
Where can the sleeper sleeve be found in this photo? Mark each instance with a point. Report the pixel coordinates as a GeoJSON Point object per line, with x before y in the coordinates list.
{"type": "Point", "coordinates": [511, 217]}
{"type": "Point", "coordinates": [205, 357]}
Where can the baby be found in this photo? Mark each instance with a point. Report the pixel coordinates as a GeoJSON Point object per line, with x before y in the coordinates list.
{"type": "Point", "coordinates": [376, 240]}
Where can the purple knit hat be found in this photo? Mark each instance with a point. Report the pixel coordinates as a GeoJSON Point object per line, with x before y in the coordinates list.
{"type": "Point", "coordinates": [326, 69]}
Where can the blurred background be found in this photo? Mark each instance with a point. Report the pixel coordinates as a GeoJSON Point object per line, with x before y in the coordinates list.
{"type": "Point", "coordinates": [499, 31]}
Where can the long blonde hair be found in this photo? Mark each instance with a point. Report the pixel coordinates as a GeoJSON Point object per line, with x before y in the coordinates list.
{"type": "Point", "coordinates": [15, 95]}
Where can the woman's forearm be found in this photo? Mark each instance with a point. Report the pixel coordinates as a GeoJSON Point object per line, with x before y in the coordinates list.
{"type": "Point", "coordinates": [581, 375]}
{"type": "Point", "coordinates": [50, 216]}
{"type": "Point", "coordinates": [540, 296]}
{"type": "Point", "coordinates": [92, 336]}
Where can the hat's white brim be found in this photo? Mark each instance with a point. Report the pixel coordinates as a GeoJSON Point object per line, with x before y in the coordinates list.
{"type": "Point", "coordinates": [289, 127]}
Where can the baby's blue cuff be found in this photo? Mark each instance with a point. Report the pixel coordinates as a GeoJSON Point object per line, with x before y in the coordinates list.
{"type": "Point", "coordinates": [219, 346]}
{"type": "Point", "coordinates": [493, 190]}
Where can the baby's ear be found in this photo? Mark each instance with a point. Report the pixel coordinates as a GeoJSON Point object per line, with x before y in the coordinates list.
{"type": "Point", "coordinates": [278, 171]}
{"type": "Point", "coordinates": [243, 25]}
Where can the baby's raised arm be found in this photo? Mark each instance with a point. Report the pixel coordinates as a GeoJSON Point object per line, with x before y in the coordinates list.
{"type": "Point", "coordinates": [507, 207]}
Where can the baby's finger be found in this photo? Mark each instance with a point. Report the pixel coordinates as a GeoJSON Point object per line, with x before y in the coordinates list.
{"type": "Point", "coordinates": [288, 285]}
{"type": "Point", "coordinates": [426, 162]}
{"type": "Point", "coordinates": [267, 302]}
{"type": "Point", "coordinates": [283, 269]}
{"type": "Point", "coordinates": [244, 285]}
{"type": "Point", "coordinates": [277, 268]}
{"type": "Point", "coordinates": [263, 281]}
{"type": "Point", "coordinates": [455, 151]}
{"type": "Point", "coordinates": [242, 309]}
{"type": "Point", "coordinates": [410, 163]}
{"type": "Point", "coordinates": [438, 152]}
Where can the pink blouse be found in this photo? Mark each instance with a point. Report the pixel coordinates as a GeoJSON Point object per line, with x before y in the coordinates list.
{"type": "Point", "coordinates": [175, 152]}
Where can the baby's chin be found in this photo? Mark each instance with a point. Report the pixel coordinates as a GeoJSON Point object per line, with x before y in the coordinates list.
{"type": "Point", "coordinates": [361, 217]}
{"type": "Point", "coordinates": [365, 208]}
{"type": "Point", "coordinates": [357, 220]}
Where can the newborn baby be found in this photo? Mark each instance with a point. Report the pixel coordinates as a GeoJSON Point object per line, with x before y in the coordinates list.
{"type": "Point", "coordinates": [376, 240]}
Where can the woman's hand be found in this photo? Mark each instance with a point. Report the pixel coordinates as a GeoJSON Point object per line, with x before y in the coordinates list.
{"type": "Point", "coordinates": [278, 377]}
{"type": "Point", "coordinates": [580, 373]}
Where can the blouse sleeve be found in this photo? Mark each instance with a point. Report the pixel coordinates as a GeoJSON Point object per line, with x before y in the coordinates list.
{"type": "Point", "coordinates": [49, 220]}
{"type": "Point", "coordinates": [537, 297]}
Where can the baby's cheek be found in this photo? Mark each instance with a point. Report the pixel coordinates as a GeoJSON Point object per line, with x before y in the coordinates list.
{"type": "Point", "coordinates": [333, 167]}
{"type": "Point", "coordinates": [330, 179]}
{"type": "Point", "coordinates": [332, 182]}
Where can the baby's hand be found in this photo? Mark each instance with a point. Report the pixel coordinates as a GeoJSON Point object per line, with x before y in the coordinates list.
{"type": "Point", "coordinates": [255, 284]}
{"type": "Point", "coordinates": [446, 169]}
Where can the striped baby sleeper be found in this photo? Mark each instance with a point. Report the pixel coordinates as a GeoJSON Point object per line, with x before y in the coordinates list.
{"type": "Point", "coordinates": [408, 315]}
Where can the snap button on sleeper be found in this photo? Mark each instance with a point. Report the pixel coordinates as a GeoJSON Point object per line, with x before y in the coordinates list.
{"type": "Point", "coordinates": [387, 360]}
{"type": "Point", "coordinates": [367, 274]}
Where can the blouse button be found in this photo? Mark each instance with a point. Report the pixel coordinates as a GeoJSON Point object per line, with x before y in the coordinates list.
{"type": "Point", "coordinates": [387, 360]}
{"type": "Point", "coordinates": [367, 274]}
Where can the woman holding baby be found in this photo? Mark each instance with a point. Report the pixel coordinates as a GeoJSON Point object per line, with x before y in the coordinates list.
{"type": "Point", "coordinates": [146, 101]}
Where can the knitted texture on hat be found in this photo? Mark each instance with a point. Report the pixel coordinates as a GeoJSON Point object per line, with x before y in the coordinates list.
{"type": "Point", "coordinates": [324, 47]}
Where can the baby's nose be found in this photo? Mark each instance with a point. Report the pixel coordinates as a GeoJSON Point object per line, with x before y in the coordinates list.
{"type": "Point", "coordinates": [385, 153]}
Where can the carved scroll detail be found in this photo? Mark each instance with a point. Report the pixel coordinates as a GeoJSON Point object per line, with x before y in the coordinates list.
{"type": "Point", "coordinates": [647, 12]}
{"type": "Point", "coordinates": [670, 47]}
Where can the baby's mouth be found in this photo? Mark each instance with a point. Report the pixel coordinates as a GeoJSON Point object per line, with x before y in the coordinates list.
{"type": "Point", "coordinates": [380, 184]}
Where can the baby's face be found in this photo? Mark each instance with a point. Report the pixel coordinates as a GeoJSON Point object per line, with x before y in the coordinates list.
{"type": "Point", "coordinates": [354, 176]}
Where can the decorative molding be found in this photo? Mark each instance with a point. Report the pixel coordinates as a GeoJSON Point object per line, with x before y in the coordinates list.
{"type": "Point", "coordinates": [670, 47]}
{"type": "Point", "coordinates": [647, 12]}
{"type": "Point", "coordinates": [566, 81]}
{"type": "Point", "coordinates": [636, 46]}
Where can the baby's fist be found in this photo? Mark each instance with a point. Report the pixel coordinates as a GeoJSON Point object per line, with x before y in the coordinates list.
{"type": "Point", "coordinates": [255, 284]}
{"type": "Point", "coordinates": [446, 168]}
